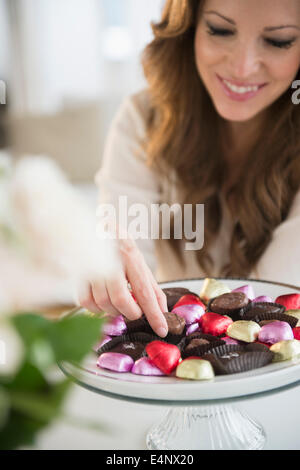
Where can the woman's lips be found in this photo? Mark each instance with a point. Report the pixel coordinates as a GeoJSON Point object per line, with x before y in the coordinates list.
{"type": "Point", "coordinates": [239, 91]}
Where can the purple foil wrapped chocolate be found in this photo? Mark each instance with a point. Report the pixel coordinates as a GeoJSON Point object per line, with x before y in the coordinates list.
{"type": "Point", "coordinates": [230, 340]}
{"type": "Point", "coordinates": [247, 290]}
{"type": "Point", "coordinates": [115, 326]}
{"type": "Point", "coordinates": [274, 332]}
{"type": "Point", "coordinates": [116, 362]}
{"type": "Point", "coordinates": [144, 366]}
{"type": "Point", "coordinates": [263, 298]}
{"type": "Point", "coordinates": [190, 313]}
{"type": "Point", "coordinates": [103, 341]}
{"type": "Point", "coordinates": [192, 328]}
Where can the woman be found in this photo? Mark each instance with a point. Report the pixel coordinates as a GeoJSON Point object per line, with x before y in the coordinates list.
{"type": "Point", "coordinates": [216, 126]}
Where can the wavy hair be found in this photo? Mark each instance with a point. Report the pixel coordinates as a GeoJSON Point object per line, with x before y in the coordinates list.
{"type": "Point", "coordinates": [184, 133]}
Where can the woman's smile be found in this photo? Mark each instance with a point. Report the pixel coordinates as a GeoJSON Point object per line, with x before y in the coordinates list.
{"type": "Point", "coordinates": [238, 90]}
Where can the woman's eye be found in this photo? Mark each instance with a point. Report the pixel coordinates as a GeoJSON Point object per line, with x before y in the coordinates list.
{"type": "Point", "coordinates": [280, 44]}
{"type": "Point", "coordinates": [219, 31]}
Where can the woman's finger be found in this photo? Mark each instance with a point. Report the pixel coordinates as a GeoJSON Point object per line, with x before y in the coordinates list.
{"type": "Point", "coordinates": [102, 298]}
{"type": "Point", "coordinates": [145, 295]}
{"type": "Point", "coordinates": [86, 298]}
{"type": "Point", "coordinates": [121, 297]}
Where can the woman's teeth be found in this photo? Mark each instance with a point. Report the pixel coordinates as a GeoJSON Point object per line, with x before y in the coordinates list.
{"type": "Point", "coordinates": [240, 90]}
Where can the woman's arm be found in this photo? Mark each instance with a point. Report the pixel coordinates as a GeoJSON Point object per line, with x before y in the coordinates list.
{"type": "Point", "coordinates": [281, 260]}
{"type": "Point", "coordinates": [124, 174]}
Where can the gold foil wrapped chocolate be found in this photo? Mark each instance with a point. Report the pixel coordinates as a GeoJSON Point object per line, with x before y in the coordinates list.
{"type": "Point", "coordinates": [195, 369]}
{"type": "Point", "coordinates": [286, 350]}
{"type": "Point", "coordinates": [294, 313]}
{"type": "Point", "coordinates": [243, 330]}
{"type": "Point", "coordinates": [212, 288]}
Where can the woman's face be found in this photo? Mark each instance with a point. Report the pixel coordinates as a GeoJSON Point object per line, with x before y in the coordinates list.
{"type": "Point", "coordinates": [247, 53]}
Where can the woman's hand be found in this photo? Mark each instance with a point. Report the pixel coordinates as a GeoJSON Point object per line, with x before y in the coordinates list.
{"type": "Point", "coordinates": [113, 296]}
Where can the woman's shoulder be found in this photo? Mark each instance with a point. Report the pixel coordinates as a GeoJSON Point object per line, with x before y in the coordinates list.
{"type": "Point", "coordinates": [134, 111]}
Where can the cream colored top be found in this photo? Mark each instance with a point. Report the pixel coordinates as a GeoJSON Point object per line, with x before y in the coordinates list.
{"type": "Point", "coordinates": [124, 172]}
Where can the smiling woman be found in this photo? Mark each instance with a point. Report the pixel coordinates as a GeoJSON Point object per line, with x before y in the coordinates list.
{"type": "Point", "coordinates": [216, 126]}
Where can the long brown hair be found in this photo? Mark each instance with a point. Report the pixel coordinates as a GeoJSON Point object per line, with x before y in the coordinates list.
{"type": "Point", "coordinates": [184, 134]}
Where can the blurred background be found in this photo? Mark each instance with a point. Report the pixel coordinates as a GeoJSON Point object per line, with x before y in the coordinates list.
{"type": "Point", "coordinates": [67, 65]}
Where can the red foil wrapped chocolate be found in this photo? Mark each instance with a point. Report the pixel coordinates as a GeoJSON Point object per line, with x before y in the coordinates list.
{"type": "Point", "coordinates": [165, 356]}
{"type": "Point", "coordinates": [296, 332]}
{"type": "Point", "coordinates": [289, 301]}
{"type": "Point", "coordinates": [214, 324]}
{"type": "Point", "coordinates": [189, 299]}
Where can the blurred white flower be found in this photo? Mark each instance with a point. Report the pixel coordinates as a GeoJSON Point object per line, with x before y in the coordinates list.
{"type": "Point", "coordinates": [59, 239]}
{"type": "Point", "coordinates": [11, 349]}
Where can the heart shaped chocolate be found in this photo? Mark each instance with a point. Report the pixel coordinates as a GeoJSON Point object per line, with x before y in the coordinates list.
{"type": "Point", "coordinates": [214, 324]}
{"type": "Point", "coordinates": [242, 330]}
{"type": "Point", "coordinates": [195, 369]}
{"type": "Point", "coordinates": [296, 332]}
{"type": "Point", "coordinates": [163, 355]}
{"type": "Point", "coordinates": [289, 301]}
{"type": "Point", "coordinates": [285, 350]}
{"type": "Point", "coordinates": [274, 332]}
{"type": "Point", "coordinates": [189, 299]}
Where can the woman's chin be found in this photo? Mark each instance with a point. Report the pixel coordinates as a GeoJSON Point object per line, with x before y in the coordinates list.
{"type": "Point", "coordinates": [235, 113]}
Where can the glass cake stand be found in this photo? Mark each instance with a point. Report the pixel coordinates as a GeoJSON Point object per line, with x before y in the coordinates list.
{"type": "Point", "coordinates": [201, 415]}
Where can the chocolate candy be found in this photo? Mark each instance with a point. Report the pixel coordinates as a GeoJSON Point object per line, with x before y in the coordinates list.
{"type": "Point", "coordinates": [254, 311]}
{"type": "Point", "coordinates": [296, 332]}
{"type": "Point", "coordinates": [176, 323]}
{"type": "Point", "coordinates": [130, 348]}
{"type": "Point", "coordinates": [233, 359]}
{"type": "Point", "coordinates": [115, 326]}
{"type": "Point", "coordinates": [247, 290]}
{"type": "Point", "coordinates": [115, 362]}
{"type": "Point", "coordinates": [229, 304]}
{"type": "Point", "coordinates": [163, 355]}
{"type": "Point", "coordinates": [198, 344]}
{"type": "Point", "coordinates": [214, 324]}
{"type": "Point", "coordinates": [228, 340]}
{"type": "Point", "coordinates": [190, 313]}
{"type": "Point", "coordinates": [192, 329]}
{"type": "Point", "coordinates": [144, 366]}
{"type": "Point", "coordinates": [195, 369]}
{"type": "Point", "coordinates": [274, 332]}
{"type": "Point", "coordinates": [285, 350]}
{"type": "Point", "coordinates": [290, 301]}
{"type": "Point", "coordinates": [104, 340]}
{"type": "Point", "coordinates": [295, 314]}
{"type": "Point", "coordinates": [189, 299]}
{"type": "Point", "coordinates": [246, 331]}
{"type": "Point", "coordinates": [195, 343]}
{"type": "Point", "coordinates": [212, 288]}
{"type": "Point", "coordinates": [262, 298]}
{"type": "Point", "coordinates": [173, 295]}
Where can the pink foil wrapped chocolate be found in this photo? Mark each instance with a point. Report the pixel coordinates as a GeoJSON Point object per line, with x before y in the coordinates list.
{"type": "Point", "coordinates": [192, 328]}
{"type": "Point", "coordinates": [101, 343]}
{"type": "Point", "coordinates": [263, 298]}
{"type": "Point", "coordinates": [247, 290]}
{"type": "Point", "coordinates": [230, 340]}
{"type": "Point", "coordinates": [144, 366]}
{"type": "Point", "coordinates": [274, 332]}
{"type": "Point", "coordinates": [190, 313]}
{"type": "Point", "coordinates": [115, 326]}
{"type": "Point", "coordinates": [116, 362]}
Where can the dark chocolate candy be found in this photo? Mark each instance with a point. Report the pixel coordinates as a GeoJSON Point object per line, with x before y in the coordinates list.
{"type": "Point", "coordinates": [173, 295]}
{"type": "Point", "coordinates": [132, 349]}
{"type": "Point", "coordinates": [198, 344]}
{"type": "Point", "coordinates": [258, 308]}
{"type": "Point", "coordinates": [233, 359]}
{"type": "Point", "coordinates": [229, 304]}
{"type": "Point", "coordinates": [176, 324]}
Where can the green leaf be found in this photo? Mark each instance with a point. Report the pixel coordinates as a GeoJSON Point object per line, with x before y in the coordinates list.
{"type": "Point", "coordinates": [31, 327]}
{"type": "Point", "coordinates": [72, 338]}
{"type": "Point", "coordinates": [28, 378]}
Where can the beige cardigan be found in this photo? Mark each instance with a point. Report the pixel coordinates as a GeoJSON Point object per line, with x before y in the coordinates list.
{"type": "Point", "coordinates": [124, 172]}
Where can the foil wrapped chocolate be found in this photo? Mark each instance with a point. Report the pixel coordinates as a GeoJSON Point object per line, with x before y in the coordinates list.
{"type": "Point", "coordinates": [144, 366]}
{"type": "Point", "coordinates": [115, 326]}
{"type": "Point", "coordinates": [214, 324]}
{"type": "Point", "coordinates": [195, 369]}
{"type": "Point", "coordinates": [247, 290]}
{"type": "Point", "coordinates": [212, 288]}
{"type": "Point", "coordinates": [286, 350]}
{"type": "Point", "coordinates": [190, 313]}
{"type": "Point", "coordinates": [274, 332]}
{"type": "Point", "coordinates": [242, 330]}
{"type": "Point", "coordinates": [163, 355]}
{"type": "Point", "coordinates": [115, 362]}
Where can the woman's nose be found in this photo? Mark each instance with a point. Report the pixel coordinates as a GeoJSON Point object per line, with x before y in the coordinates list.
{"type": "Point", "coordinates": [245, 62]}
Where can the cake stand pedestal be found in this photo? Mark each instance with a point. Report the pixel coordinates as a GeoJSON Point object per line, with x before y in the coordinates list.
{"type": "Point", "coordinates": [217, 427]}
